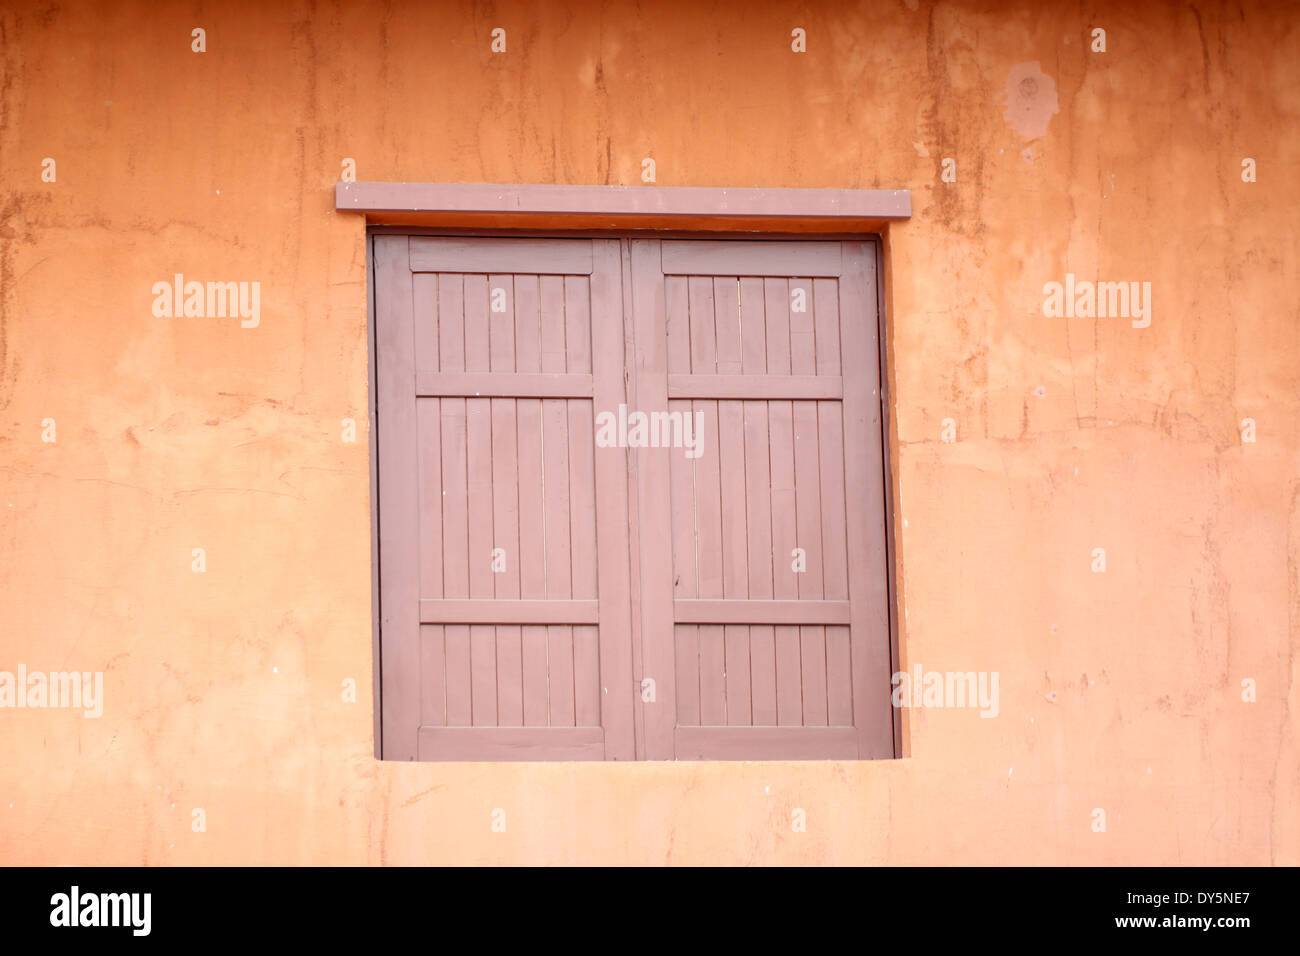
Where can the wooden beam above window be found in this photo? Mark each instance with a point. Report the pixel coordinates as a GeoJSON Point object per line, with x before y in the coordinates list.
{"type": "Point", "coordinates": [488, 206]}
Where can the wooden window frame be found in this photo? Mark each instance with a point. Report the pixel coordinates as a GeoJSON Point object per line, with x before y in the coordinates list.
{"type": "Point", "coordinates": [485, 210]}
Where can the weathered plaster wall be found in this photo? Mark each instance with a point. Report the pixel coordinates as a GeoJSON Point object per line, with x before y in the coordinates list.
{"type": "Point", "coordinates": [1119, 691]}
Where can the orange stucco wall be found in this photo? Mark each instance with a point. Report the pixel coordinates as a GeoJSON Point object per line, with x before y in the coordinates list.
{"type": "Point", "coordinates": [222, 690]}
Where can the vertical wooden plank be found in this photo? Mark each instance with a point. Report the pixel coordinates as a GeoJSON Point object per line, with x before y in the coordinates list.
{"type": "Point", "coordinates": [762, 647]}
{"type": "Point", "coordinates": [577, 324]}
{"type": "Point", "coordinates": [786, 580]}
{"type": "Point", "coordinates": [753, 327]}
{"type": "Point", "coordinates": [452, 413]}
{"type": "Point", "coordinates": [586, 676]}
{"type": "Point", "coordinates": [451, 322]}
{"type": "Point", "coordinates": [532, 535]}
{"type": "Point", "coordinates": [703, 331]}
{"type": "Point", "coordinates": [785, 537]}
{"type": "Point", "coordinates": [681, 468]}
{"type": "Point", "coordinates": [839, 678]}
{"type": "Point", "coordinates": [726, 324]}
{"type": "Point", "coordinates": [433, 688]}
{"type": "Point", "coordinates": [736, 673]}
{"type": "Point", "coordinates": [555, 495]}
{"type": "Point", "coordinates": [501, 336]}
{"type": "Point", "coordinates": [559, 658]}
{"type": "Point", "coordinates": [731, 445]}
{"type": "Point", "coordinates": [708, 487]}
{"type": "Point", "coordinates": [613, 569]}
{"type": "Point", "coordinates": [826, 319]}
{"type": "Point", "coordinates": [835, 582]}
{"type": "Point", "coordinates": [399, 544]}
{"type": "Point", "coordinates": [808, 511]}
{"type": "Point", "coordinates": [582, 497]}
{"type": "Point", "coordinates": [479, 504]}
{"type": "Point", "coordinates": [835, 576]}
{"type": "Point", "coordinates": [803, 346]}
{"type": "Point", "coordinates": [713, 675]}
{"type": "Point", "coordinates": [758, 502]}
{"type": "Point", "coordinates": [654, 502]}
{"type": "Point", "coordinates": [629, 380]}
{"type": "Point", "coordinates": [812, 653]}
{"type": "Point", "coordinates": [687, 656]}
{"type": "Point", "coordinates": [532, 529]}
{"type": "Point", "coordinates": [731, 461]}
{"type": "Point", "coordinates": [455, 515]}
{"type": "Point", "coordinates": [432, 639]}
{"type": "Point", "coordinates": [428, 414]}
{"type": "Point", "coordinates": [685, 567]}
{"type": "Point", "coordinates": [807, 495]}
{"type": "Point", "coordinates": [528, 324]}
{"type": "Point", "coordinates": [682, 494]}
{"type": "Point", "coordinates": [831, 438]}
{"type": "Point", "coordinates": [478, 442]}
{"type": "Point", "coordinates": [803, 361]}
{"type": "Point", "coordinates": [776, 314]}
{"type": "Point", "coordinates": [425, 288]}
{"type": "Point", "coordinates": [479, 518]}
{"type": "Point", "coordinates": [536, 703]}
{"type": "Point", "coordinates": [555, 478]}
{"type": "Point", "coordinates": [376, 611]}
{"type": "Point", "coordinates": [479, 496]}
{"type": "Point", "coordinates": [580, 442]}
{"type": "Point", "coordinates": [789, 677]}
{"type": "Point", "coordinates": [678, 318]}
{"type": "Point", "coordinates": [553, 330]}
{"type": "Point", "coordinates": [455, 499]}
{"type": "Point", "coordinates": [510, 676]}
{"type": "Point", "coordinates": [708, 640]}
{"type": "Point", "coordinates": [830, 441]}
{"type": "Point", "coordinates": [864, 471]}
{"type": "Point", "coordinates": [555, 444]}
{"type": "Point", "coordinates": [582, 521]}
{"type": "Point", "coordinates": [686, 637]}
{"type": "Point", "coordinates": [459, 672]}
{"type": "Point", "coordinates": [555, 501]}
{"type": "Point", "coordinates": [476, 324]}
{"type": "Point", "coordinates": [532, 541]}
{"type": "Point", "coordinates": [483, 674]}
{"type": "Point", "coordinates": [505, 507]}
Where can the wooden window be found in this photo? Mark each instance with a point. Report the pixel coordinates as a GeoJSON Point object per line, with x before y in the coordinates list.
{"type": "Point", "coordinates": [545, 596]}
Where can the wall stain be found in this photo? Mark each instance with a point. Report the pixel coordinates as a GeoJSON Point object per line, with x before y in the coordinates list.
{"type": "Point", "coordinates": [1031, 100]}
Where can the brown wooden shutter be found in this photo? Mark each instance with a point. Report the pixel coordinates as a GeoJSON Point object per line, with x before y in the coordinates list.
{"type": "Point", "coordinates": [752, 660]}
{"type": "Point", "coordinates": [485, 441]}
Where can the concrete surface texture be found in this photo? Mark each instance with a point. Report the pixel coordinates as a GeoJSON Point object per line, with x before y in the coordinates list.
{"type": "Point", "coordinates": [180, 511]}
